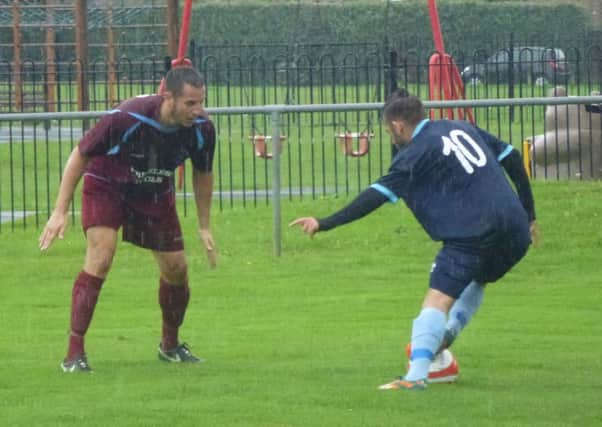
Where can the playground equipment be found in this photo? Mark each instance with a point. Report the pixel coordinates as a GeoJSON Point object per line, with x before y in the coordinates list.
{"type": "Point", "coordinates": [54, 39]}
{"type": "Point", "coordinates": [445, 82]}
{"type": "Point", "coordinates": [349, 140]}
{"type": "Point", "coordinates": [181, 61]}
{"type": "Point", "coordinates": [571, 147]}
{"type": "Point", "coordinates": [260, 144]}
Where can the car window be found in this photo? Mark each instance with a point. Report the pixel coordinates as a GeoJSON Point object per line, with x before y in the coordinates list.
{"type": "Point", "coordinates": [500, 56]}
{"type": "Point", "coordinates": [556, 54]}
{"type": "Point", "coordinates": [527, 54]}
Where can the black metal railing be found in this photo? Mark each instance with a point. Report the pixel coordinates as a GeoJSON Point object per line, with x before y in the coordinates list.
{"type": "Point", "coordinates": [264, 74]}
{"type": "Point", "coordinates": [322, 152]}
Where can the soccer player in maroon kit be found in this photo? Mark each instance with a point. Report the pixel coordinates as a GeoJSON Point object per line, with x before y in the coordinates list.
{"type": "Point", "coordinates": [128, 161]}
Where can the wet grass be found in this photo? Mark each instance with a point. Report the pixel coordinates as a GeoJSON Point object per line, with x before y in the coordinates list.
{"type": "Point", "coordinates": [305, 339]}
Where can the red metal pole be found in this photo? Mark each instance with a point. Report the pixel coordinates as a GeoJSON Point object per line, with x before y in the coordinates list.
{"type": "Point", "coordinates": [180, 60]}
{"type": "Point", "coordinates": [185, 29]}
{"type": "Point", "coordinates": [436, 26]}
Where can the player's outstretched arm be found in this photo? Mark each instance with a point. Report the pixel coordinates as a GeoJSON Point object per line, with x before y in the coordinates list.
{"type": "Point", "coordinates": [57, 223]}
{"type": "Point", "coordinates": [513, 164]}
{"type": "Point", "coordinates": [202, 183]}
{"type": "Point", "coordinates": [366, 202]}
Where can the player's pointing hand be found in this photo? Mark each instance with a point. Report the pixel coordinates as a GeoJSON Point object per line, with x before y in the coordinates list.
{"type": "Point", "coordinates": [310, 225]}
{"type": "Point", "coordinates": [56, 225]}
{"type": "Point", "coordinates": [208, 243]}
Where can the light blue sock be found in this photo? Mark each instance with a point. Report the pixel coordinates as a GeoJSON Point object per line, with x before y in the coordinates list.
{"type": "Point", "coordinates": [427, 332]}
{"type": "Point", "coordinates": [464, 308]}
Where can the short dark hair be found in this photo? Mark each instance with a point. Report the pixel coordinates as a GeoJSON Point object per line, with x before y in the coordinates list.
{"type": "Point", "coordinates": [403, 106]}
{"type": "Point", "coordinates": [176, 78]}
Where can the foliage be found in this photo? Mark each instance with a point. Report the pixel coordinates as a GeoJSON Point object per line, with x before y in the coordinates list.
{"type": "Point", "coordinates": [465, 25]}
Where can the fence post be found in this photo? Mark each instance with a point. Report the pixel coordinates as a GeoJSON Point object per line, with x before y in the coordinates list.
{"type": "Point", "coordinates": [391, 85]}
{"type": "Point", "coordinates": [277, 213]}
{"type": "Point", "coordinates": [50, 72]}
{"type": "Point", "coordinates": [81, 52]}
{"type": "Point", "coordinates": [111, 74]}
{"type": "Point", "coordinates": [511, 60]}
{"type": "Point", "coordinates": [17, 69]}
{"type": "Point", "coordinates": [172, 28]}
{"type": "Point", "coordinates": [391, 79]}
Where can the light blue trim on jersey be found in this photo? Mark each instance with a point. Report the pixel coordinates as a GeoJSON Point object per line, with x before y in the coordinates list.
{"type": "Point", "coordinates": [385, 192]}
{"type": "Point", "coordinates": [199, 139]}
{"type": "Point", "coordinates": [113, 150]}
{"type": "Point", "coordinates": [154, 123]}
{"type": "Point", "coordinates": [199, 135]}
{"type": "Point", "coordinates": [505, 153]}
{"type": "Point", "coordinates": [124, 139]}
{"type": "Point", "coordinates": [127, 134]}
{"type": "Point", "coordinates": [419, 127]}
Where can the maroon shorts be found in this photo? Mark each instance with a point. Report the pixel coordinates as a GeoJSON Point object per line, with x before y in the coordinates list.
{"type": "Point", "coordinates": [149, 221]}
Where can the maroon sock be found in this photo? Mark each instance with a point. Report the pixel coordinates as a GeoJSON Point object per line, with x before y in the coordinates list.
{"type": "Point", "coordinates": [83, 300]}
{"type": "Point", "coordinates": [173, 301]}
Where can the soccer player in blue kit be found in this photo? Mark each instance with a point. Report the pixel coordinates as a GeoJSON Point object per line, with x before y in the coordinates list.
{"type": "Point", "coordinates": [449, 175]}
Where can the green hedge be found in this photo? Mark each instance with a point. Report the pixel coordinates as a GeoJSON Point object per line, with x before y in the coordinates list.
{"type": "Point", "coordinates": [466, 26]}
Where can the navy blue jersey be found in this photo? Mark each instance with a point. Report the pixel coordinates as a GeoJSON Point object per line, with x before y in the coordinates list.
{"type": "Point", "coordinates": [450, 178]}
{"type": "Point", "coordinates": [130, 146]}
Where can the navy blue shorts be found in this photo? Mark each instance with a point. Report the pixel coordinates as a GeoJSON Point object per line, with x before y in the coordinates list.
{"type": "Point", "coordinates": [454, 267]}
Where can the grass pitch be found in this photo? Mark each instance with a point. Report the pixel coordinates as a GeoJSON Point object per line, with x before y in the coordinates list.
{"type": "Point", "coordinates": [304, 340]}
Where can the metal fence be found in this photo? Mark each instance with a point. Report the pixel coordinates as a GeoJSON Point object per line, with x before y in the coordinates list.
{"type": "Point", "coordinates": [326, 150]}
{"type": "Point", "coordinates": [295, 75]}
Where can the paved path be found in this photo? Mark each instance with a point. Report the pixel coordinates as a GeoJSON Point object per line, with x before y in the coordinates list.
{"type": "Point", "coordinates": [7, 216]}
{"type": "Point", "coordinates": [28, 133]}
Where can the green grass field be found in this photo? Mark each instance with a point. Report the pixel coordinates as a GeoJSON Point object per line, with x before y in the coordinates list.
{"type": "Point", "coordinates": [304, 340]}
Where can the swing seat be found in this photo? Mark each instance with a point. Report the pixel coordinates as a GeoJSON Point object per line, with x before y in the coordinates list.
{"type": "Point", "coordinates": [260, 144]}
{"type": "Point", "coordinates": [346, 141]}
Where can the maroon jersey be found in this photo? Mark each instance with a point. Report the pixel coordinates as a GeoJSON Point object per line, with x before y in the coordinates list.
{"type": "Point", "coordinates": [129, 147]}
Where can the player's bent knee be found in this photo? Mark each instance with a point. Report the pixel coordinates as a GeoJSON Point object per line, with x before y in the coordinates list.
{"type": "Point", "coordinates": [102, 242]}
{"type": "Point", "coordinates": [173, 266]}
{"type": "Point", "coordinates": [99, 263]}
{"type": "Point", "coordinates": [438, 300]}
{"type": "Point", "coordinates": [176, 272]}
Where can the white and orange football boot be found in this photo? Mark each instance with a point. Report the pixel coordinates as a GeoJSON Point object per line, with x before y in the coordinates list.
{"type": "Point", "coordinates": [401, 384]}
{"type": "Point", "coordinates": [444, 367]}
